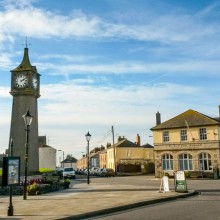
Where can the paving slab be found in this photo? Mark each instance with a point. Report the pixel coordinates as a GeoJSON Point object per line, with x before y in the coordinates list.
{"type": "Point", "coordinates": [83, 200]}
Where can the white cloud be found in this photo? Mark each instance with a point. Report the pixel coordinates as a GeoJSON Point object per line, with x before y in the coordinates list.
{"type": "Point", "coordinates": [130, 67]}
{"type": "Point", "coordinates": [67, 111]}
{"type": "Point", "coordinates": [164, 28]}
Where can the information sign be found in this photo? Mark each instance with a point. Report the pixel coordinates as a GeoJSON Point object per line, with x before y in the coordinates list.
{"type": "Point", "coordinates": [11, 171]}
{"type": "Point", "coordinates": [180, 182]}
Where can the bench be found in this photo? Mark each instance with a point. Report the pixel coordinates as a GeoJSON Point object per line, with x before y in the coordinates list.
{"type": "Point", "coordinates": [196, 174]}
{"type": "Point", "coordinates": [52, 179]}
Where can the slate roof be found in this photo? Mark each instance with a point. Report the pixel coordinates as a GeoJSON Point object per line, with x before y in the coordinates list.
{"type": "Point", "coordinates": [189, 118]}
{"type": "Point", "coordinates": [147, 146]}
{"type": "Point", "coordinates": [70, 160]}
{"type": "Point", "coordinates": [124, 143]}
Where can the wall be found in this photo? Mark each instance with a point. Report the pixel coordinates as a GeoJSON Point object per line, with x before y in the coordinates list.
{"type": "Point", "coordinates": [47, 157]}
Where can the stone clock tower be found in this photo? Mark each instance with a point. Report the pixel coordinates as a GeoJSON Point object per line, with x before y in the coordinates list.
{"type": "Point", "coordinates": [25, 82]}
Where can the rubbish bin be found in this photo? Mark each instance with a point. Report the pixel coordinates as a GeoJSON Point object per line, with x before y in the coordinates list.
{"type": "Point", "coordinates": [216, 173]}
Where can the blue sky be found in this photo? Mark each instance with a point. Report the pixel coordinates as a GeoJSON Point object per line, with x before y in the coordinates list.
{"type": "Point", "coordinates": [111, 62]}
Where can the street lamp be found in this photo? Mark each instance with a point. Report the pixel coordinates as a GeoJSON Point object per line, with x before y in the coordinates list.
{"type": "Point", "coordinates": [63, 156]}
{"type": "Point", "coordinates": [10, 207]}
{"type": "Point", "coordinates": [27, 120]}
{"type": "Point", "coordinates": [88, 137]}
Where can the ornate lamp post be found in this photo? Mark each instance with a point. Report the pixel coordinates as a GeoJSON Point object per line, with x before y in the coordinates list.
{"type": "Point", "coordinates": [88, 137]}
{"type": "Point", "coordinates": [27, 120]}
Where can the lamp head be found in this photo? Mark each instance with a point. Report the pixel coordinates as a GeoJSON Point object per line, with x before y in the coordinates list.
{"type": "Point", "coordinates": [88, 136]}
{"type": "Point", "coordinates": [27, 118]}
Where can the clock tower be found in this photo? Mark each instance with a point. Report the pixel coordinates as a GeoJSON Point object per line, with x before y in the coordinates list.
{"type": "Point", "coordinates": [25, 82]}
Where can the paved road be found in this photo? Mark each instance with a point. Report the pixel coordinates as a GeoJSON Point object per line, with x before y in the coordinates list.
{"type": "Point", "coordinates": [103, 194]}
{"type": "Point", "coordinates": [202, 207]}
{"type": "Point", "coordinates": [154, 183]}
{"type": "Point", "coordinates": [205, 206]}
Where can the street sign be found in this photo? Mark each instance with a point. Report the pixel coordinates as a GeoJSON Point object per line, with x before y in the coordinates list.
{"type": "Point", "coordinates": [11, 171]}
{"type": "Point", "coordinates": [180, 181]}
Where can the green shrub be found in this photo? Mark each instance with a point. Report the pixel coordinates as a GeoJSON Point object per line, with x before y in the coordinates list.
{"type": "Point", "coordinates": [187, 174]}
{"type": "Point", "coordinates": [167, 174]}
{"type": "Point", "coordinates": [66, 183]}
{"type": "Point", "coordinates": [34, 189]}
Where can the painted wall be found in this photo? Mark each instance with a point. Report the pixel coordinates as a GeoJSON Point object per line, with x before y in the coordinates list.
{"type": "Point", "coordinates": [47, 157]}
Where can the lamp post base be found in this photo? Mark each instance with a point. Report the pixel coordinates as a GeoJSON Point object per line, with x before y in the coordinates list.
{"type": "Point", "coordinates": [10, 210]}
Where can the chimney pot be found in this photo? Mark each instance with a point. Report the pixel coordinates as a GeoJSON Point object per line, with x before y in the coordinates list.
{"type": "Point", "coordinates": [158, 118]}
{"type": "Point", "coordinates": [138, 140]}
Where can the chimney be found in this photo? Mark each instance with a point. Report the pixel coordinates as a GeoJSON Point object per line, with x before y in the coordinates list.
{"type": "Point", "coordinates": [138, 140]}
{"type": "Point", "coordinates": [120, 138]}
{"type": "Point", "coordinates": [158, 118]}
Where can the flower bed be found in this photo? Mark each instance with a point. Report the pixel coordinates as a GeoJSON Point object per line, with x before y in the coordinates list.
{"type": "Point", "coordinates": [38, 186]}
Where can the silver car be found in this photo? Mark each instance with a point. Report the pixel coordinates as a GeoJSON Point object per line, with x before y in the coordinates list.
{"type": "Point", "coordinates": [69, 172]}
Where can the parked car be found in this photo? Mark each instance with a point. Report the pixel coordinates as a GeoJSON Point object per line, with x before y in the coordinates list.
{"type": "Point", "coordinates": [107, 172]}
{"type": "Point", "coordinates": [93, 170]}
{"type": "Point", "coordinates": [69, 172]}
{"type": "Point", "coordinates": [58, 172]}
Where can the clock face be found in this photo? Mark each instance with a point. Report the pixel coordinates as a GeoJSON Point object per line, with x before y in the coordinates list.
{"type": "Point", "coordinates": [34, 83]}
{"type": "Point", "coordinates": [21, 81]}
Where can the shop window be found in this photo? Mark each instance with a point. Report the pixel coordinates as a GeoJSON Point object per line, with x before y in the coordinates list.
{"type": "Point", "coordinates": [167, 162]}
{"type": "Point", "coordinates": [205, 162]}
{"type": "Point", "coordinates": [185, 162]}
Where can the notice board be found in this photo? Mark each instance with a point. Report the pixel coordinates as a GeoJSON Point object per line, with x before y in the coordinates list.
{"type": "Point", "coordinates": [180, 181]}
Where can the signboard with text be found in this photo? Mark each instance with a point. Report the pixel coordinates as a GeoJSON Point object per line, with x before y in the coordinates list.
{"type": "Point", "coordinates": [180, 181]}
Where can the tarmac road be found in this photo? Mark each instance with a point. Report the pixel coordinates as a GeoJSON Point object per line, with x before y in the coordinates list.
{"type": "Point", "coordinates": [102, 194]}
{"type": "Point", "coordinates": [200, 207]}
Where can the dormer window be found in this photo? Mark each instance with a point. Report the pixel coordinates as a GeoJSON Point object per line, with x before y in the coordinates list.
{"type": "Point", "coordinates": [202, 134]}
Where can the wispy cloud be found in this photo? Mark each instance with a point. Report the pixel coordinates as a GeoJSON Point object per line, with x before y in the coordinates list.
{"type": "Point", "coordinates": [131, 67]}
{"type": "Point", "coordinates": [163, 28]}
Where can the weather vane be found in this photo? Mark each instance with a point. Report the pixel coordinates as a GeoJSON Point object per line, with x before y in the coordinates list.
{"type": "Point", "coordinates": [26, 43]}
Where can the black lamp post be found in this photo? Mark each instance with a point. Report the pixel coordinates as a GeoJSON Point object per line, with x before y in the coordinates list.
{"type": "Point", "coordinates": [27, 120]}
{"type": "Point", "coordinates": [10, 206]}
{"type": "Point", "coordinates": [88, 136]}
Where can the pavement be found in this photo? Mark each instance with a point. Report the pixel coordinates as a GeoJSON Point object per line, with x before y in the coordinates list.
{"type": "Point", "coordinates": [83, 201]}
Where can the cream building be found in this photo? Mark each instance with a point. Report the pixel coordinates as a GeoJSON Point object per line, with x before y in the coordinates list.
{"type": "Point", "coordinates": [189, 141]}
{"type": "Point", "coordinates": [129, 156]}
{"type": "Point", "coordinates": [82, 162]}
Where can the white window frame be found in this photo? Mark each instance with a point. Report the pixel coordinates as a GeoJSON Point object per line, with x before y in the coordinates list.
{"type": "Point", "coordinates": [203, 134]}
{"type": "Point", "coordinates": [205, 161]}
{"type": "Point", "coordinates": [183, 135]}
{"type": "Point", "coordinates": [185, 162]}
{"type": "Point", "coordinates": [167, 162]}
{"type": "Point", "coordinates": [166, 137]}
